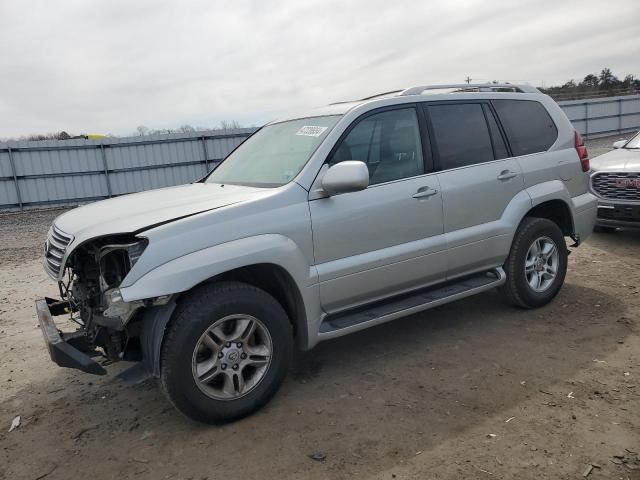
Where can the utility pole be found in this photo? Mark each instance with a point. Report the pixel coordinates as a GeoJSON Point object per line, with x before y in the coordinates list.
{"type": "Point", "coordinates": [468, 79]}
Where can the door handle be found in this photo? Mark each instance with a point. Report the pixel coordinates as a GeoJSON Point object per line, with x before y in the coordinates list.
{"type": "Point", "coordinates": [424, 192]}
{"type": "Point", "coordinates": [507, 175]}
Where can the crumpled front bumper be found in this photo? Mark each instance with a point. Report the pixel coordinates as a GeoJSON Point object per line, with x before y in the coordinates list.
{"type": "Point", "coordinates": [65, 349]}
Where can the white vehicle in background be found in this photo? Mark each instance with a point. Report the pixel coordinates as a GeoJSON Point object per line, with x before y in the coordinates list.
{"type": "Point", "coordinates": [616, 183]}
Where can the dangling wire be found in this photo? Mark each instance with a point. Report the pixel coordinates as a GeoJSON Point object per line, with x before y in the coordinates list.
{"type": "Point", "coordinates": [66, 294]}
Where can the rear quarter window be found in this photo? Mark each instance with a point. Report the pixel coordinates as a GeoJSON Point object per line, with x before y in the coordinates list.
{"type": "Point", "coordinates": [528, 125]}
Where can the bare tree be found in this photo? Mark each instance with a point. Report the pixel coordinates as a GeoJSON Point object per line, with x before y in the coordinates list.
{"type": "Point", "coordinates": [628, 81]}
{"type": "Point", "coordinates": [142, 130]}
{"type": "Point", "coordinates": [229, 124]}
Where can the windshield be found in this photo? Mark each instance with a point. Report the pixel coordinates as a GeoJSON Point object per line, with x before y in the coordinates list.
{"type": "Point", "coordinates": [275, 154]}
{"type": "Point", "coordinates": [634, 142]}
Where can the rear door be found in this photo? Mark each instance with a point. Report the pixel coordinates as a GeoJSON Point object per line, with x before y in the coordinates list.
{"type": "Point", "coordinates": [531, 132]}
{"type": "Point", "coordinates": [478, 180]}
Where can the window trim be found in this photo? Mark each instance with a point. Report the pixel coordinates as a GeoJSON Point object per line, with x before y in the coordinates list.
{"type": "Point", "coordinates": [432, 140]}
{"type": "Point", "coordinates": [427, 159]}
{"type": "Point", "coordinates": [486, 110]}
{"type": "Point", "coordinates": [486, 121]}
{"type": "Point", "coordinates": [504, 128]}
{"type": "Point", "coordinates": [503, 132]}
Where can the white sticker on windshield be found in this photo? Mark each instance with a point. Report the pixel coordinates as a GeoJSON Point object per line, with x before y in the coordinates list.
{"type": "Point", "coordinates": [311, 131]}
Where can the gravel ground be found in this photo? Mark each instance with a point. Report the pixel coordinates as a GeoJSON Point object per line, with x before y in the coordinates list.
{"type": "Point", "coordinates": [474, 389]}
{"type": "Point", "coordinates": [598, 146]}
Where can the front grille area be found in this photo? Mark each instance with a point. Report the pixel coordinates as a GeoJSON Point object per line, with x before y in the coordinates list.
{"type": "Point", "coordinates": [617, 185]}
{"type": "Point", "coordinates": [620, 213]}
{"type": "Point", "coordinates": [57, 242]}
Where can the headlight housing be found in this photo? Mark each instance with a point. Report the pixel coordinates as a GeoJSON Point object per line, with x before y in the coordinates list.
{"type": "Point", "coordinates": [134, 251]}
{"type": "Point", "coordinates": [115, 260]}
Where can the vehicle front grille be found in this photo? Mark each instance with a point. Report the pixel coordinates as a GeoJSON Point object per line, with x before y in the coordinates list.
{"type": "Point", "coordinates": [57, 242]}
{"type": "Point", "coordinates": [617, 185]}
{"type": "Point", "coordinates": [620, 213]}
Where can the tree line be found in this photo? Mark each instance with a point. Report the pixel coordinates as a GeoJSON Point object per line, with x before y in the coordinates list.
{"type": "Point", "coordinates": [603, 84]}
{"type": "Point", "coordinates": [140, 131]}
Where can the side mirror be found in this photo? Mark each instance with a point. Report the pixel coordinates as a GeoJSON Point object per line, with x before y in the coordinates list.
{"type": "Point", "coordinates": [619, 144]}
{"type": "Point", "coordinates": [348, 176]}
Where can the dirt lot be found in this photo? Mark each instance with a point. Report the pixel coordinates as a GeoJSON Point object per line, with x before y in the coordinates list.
{"type": "Point", "coordinates": [474, 389]}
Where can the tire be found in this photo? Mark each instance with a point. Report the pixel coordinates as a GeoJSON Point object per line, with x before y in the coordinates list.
{"type": "Point", "coordinates": [599, 229]}
{"type": "Point", "coordinates": [518, 289]}
{"type": "Point", "coordinates": [201, 325]}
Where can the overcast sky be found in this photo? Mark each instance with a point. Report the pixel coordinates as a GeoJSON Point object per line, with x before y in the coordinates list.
{"type": "Point", "coordinates": [108, 66]}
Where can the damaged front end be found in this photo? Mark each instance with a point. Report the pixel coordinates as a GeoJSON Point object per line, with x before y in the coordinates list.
{"type": "Point", "coordinates": [89, 281]}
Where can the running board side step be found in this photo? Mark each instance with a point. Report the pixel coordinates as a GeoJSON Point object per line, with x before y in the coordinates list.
{"type": "Point", "coordinates": [383, 311]}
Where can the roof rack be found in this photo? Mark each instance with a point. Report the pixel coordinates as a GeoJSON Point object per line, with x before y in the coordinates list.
{"type": "Point", "coordinates": [457, 87]}
{"type": "Point", "coordinates": [471, 87]}
{"type": "Point", "coordinates": [383, 94]}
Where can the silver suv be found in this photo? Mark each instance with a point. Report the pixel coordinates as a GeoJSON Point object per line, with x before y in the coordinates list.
{"type": "Point", "coordinates": [320, 225]}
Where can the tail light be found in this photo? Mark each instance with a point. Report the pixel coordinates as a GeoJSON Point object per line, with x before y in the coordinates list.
{"type": "Point", "coordinates": [582, 152]}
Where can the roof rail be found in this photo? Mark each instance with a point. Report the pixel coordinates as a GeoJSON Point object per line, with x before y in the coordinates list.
{"type": "Point", "coordinates": [480, 87]}
{"type": "Point", "coordinates": [383, 94]}
{"type": "Point", "coordinates": [380, 95]}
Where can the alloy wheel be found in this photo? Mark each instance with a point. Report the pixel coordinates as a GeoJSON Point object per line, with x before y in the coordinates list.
{"type": "Point", "coordinates": [231, 357]}
{"type": "Point", "coordinates": [541, 264]}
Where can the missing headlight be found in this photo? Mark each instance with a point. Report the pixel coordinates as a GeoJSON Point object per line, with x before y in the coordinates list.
{"type": "Point", "coordinates": [115, 261]}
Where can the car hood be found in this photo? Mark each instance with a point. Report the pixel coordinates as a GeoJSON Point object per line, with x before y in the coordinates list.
{"type": "Point", "coordinates": [619, 160]}
{"type": "Point", "coordinates": [140, 211]}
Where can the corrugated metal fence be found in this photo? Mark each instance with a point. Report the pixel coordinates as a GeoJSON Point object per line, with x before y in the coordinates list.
{"type": "Point", "coordinates": [604, 116]}
{"type": "Point", "coordinates": [56, 173]}
{"type": "Point", "coordinates": [70, 172]}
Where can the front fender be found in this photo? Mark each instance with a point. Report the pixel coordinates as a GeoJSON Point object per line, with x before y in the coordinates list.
{"type": "Point", "coordinates": [183, 273]}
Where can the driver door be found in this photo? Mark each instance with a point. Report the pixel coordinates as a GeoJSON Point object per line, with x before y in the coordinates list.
{"type": "Point", "coordinates": [388, 238]}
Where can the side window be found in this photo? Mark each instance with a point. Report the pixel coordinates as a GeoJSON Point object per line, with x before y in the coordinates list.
{"type": "Point", "coordinates": [461, 134]}
{"type": "Point", "coordinates": [528, 125]}
{"type": "Point", "coordinates": [388, 142]}
{"type": "Point", "coordinates": [499, 148]}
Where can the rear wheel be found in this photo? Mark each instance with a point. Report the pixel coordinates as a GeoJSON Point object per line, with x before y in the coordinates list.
{"type": "Point", "coordinates": [536, 265]}
{"type": "Point", "coordinates": [226, 352]}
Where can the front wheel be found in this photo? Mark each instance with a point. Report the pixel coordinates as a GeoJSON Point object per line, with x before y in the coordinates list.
{"type": "Point", "coordinates": [536, 265]}
{"type": "Point", "coordinates": [226, 352]}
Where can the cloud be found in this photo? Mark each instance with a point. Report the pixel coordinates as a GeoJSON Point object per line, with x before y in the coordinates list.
{"type": "Point", "coordinates": [96, 66]}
